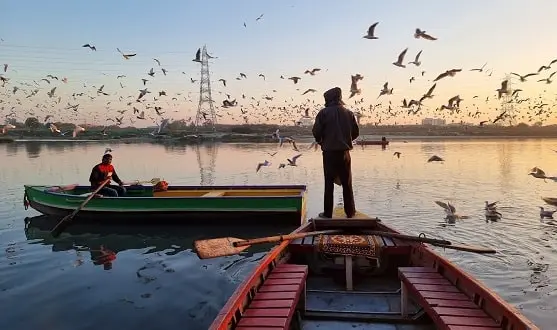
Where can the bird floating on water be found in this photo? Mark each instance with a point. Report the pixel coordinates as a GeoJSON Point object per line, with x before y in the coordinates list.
{"type": "Point", "coordinates": [435, 158]}
{"type": "Point", "coordinates": [546, 214]}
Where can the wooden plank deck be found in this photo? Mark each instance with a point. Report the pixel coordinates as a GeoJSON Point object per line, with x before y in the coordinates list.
{"type": "Point", "coordinates": [442, 300]}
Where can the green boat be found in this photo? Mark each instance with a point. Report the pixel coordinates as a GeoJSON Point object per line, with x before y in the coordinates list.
{"type": "Point", "coordinates": [260, 205]}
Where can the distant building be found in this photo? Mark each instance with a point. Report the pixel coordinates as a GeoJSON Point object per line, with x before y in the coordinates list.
{"type": "Point", "coordinates": [433, 122]}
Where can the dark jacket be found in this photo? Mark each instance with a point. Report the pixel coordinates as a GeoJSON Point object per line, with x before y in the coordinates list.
{"type": "Point", "coordinates": [335, 126]}
{"type": "Point", "coordinates": [100, 172]}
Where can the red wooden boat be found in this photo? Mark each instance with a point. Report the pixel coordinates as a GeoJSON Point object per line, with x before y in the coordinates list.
{"type": "Point", "coordinates": [360, 281]}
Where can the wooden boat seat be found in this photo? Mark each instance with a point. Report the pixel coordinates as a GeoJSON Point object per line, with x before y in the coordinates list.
{"type": "Point", "coordinates": [214, 193]}
{"type": "Point", "coordinates": [443, 301]}
{"type": "Point", "coordinates": [276, 301]}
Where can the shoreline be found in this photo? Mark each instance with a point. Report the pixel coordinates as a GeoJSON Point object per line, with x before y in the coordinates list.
{"type": "Point", "coordinates": [245, 138]}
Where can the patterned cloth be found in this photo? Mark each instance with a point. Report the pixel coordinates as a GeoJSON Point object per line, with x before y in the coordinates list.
{"type": "Point", "coordinates": [349, 245]}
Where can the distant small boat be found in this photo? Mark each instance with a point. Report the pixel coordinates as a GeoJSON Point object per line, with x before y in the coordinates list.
{"type": "Point", "coordinates": [335, 281]}
{"type": "Point", "coordinates": [372, 143]}
{"type": "Point", "coordinates": [238, 205]}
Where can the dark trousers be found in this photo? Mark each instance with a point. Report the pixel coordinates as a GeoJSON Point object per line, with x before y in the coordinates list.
{"type": "Point", "coordinates": [113, 191]}
{"type": "Point", "coordinates": [338, 164]}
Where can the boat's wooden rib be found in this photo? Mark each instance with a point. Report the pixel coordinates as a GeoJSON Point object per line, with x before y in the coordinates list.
{"type": "Point", "coordinates": [393, 283]}
{"type": "Point", "coordinates": [261, 205]}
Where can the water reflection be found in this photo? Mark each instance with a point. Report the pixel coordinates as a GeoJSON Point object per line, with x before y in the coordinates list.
{"type": "Point", "coordinates": [104, 242]}
{"type": "Point", "coordinates": [12, 149]}
{"type": "Point", "coordinates": [206, 158]}
{"type": "Point", "coordinates": [33, 149]}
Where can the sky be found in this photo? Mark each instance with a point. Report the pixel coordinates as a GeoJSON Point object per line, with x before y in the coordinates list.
{"type": "Point", "coordinates": [46, 37]}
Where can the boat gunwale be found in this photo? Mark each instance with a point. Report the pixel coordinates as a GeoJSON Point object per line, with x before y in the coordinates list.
{"type": "Point", "coordinates": [302, 191]}
{"type": "Point", "coordinates": [483, 291]}
{"type": "Point", "coordinates": [237, 301]}
{"type": "Point", "coordinates": [466, 283]}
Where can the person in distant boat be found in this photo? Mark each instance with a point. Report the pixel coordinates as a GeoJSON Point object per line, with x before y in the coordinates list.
{"type": "Point", "coordinates": [334, 130]}
{"type": "Point", "coordinates": [104, 171]}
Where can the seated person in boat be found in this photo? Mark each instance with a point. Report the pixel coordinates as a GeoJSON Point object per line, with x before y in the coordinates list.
{"type": "Point", "coordinates": [104, 171]}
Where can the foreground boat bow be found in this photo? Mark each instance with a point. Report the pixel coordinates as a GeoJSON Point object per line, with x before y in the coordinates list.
{"type": "Point", "coordinates": [353, 280]}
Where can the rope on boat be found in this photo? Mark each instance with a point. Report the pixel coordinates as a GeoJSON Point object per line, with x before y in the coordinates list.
{"type": "Point", "coordinates": [25, 200]}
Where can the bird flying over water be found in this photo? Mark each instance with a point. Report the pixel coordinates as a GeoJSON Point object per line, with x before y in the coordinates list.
{"type": "Point", "coordinates": [265, 163]}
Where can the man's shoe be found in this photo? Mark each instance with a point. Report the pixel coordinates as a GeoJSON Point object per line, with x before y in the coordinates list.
{"type": "Point", "coordinates": [322, 215]}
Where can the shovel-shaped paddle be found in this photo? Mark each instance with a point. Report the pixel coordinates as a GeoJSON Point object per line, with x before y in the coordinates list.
{"type": "Point", "coordinates": [227, 246]}
{"type": "Point", "coordinates": [68, 218]}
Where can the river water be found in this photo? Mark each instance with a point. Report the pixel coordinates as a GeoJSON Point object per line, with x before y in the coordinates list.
{"type": "Point", "coordinates": [156, 282]}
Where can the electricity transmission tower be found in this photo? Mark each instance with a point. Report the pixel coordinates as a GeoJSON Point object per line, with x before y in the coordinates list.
{"type": "Point", "coordinates": [205, 111]}
{"type": "Point", "coordinates": [507, 104]}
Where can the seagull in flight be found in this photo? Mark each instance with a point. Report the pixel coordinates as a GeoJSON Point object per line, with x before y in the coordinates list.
{"type": "Point", "coordinates": [370, 32]}
{"type": "Point", "coordinates": [422, 34]}
{"type": "Point", "coordinates": [292, 162]}
{"type": "Point", "coordinates": [265, 163]}
{"type": "Point", "coordinates": [90, 47]}
{"type": "Point", "coordinates": [416, 61]}
{"type": "Point", "coordinates": [126, 56]}
{"type": "Point", "coordinates": [400, 59]}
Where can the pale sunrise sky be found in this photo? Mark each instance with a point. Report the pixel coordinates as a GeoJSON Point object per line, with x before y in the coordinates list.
{"type": "Point", "coordinates": [46, 37]}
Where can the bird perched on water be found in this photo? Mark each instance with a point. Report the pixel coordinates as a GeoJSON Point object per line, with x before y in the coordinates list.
{"type": "Point", "coordinates": [435, 158]}
{"type": "Point", "coordinates": [491, 212]}
{"type": "Point", "coordinates": [450, 210]}
{"type": "Point", "coordinates": [397, 153]}
{"type": "Point", "coordinates": [546, 214]}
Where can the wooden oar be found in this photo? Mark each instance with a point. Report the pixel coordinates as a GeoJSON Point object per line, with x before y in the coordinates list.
{"type": "Point", "coordinates": [409, 237]}
{"type": "Point", "coordinates": [433, 241]}
{"type": "Point", "coordinates": [467, 248]}
{"type": "Point", "coordinates": [65, 220]}
{"type": "Point", "coordinates": [227, 246]}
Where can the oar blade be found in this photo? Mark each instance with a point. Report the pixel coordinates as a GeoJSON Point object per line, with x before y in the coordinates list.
{"type": "Point", "coordinates": [218, 247]}
{"type": "Point", "coordinates": [468, 248]}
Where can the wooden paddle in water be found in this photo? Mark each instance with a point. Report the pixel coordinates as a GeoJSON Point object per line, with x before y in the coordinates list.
{"type": "Point", "coordinates": [467, 248]}
{"type": "Point", "coordinates": [66, 220]}
{"type": "Point", "coordinates": [227, 246]}
{"type": "Point", "coordinates": [437, 242]}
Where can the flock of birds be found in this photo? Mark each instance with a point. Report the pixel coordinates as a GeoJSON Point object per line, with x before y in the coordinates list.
{"type": "Point", "coordinates": [24, 98]}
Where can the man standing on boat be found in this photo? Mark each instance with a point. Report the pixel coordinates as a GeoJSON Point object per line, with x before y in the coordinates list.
{"type": "Point", "coordinates": [104, 171]}
{"type": "Point", "coordinates": [334, 129]}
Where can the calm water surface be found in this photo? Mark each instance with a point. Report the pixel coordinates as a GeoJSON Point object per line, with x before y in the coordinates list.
{"type": "Point", "coordinates": [156, 282]}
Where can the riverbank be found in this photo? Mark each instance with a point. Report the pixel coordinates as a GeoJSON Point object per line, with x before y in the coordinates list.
{"type": "Point", "coordinates": [263, 134]}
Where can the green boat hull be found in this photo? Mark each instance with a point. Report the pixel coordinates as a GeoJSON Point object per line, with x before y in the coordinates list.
{"type": "Point", "coordinates": [261, 205]}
